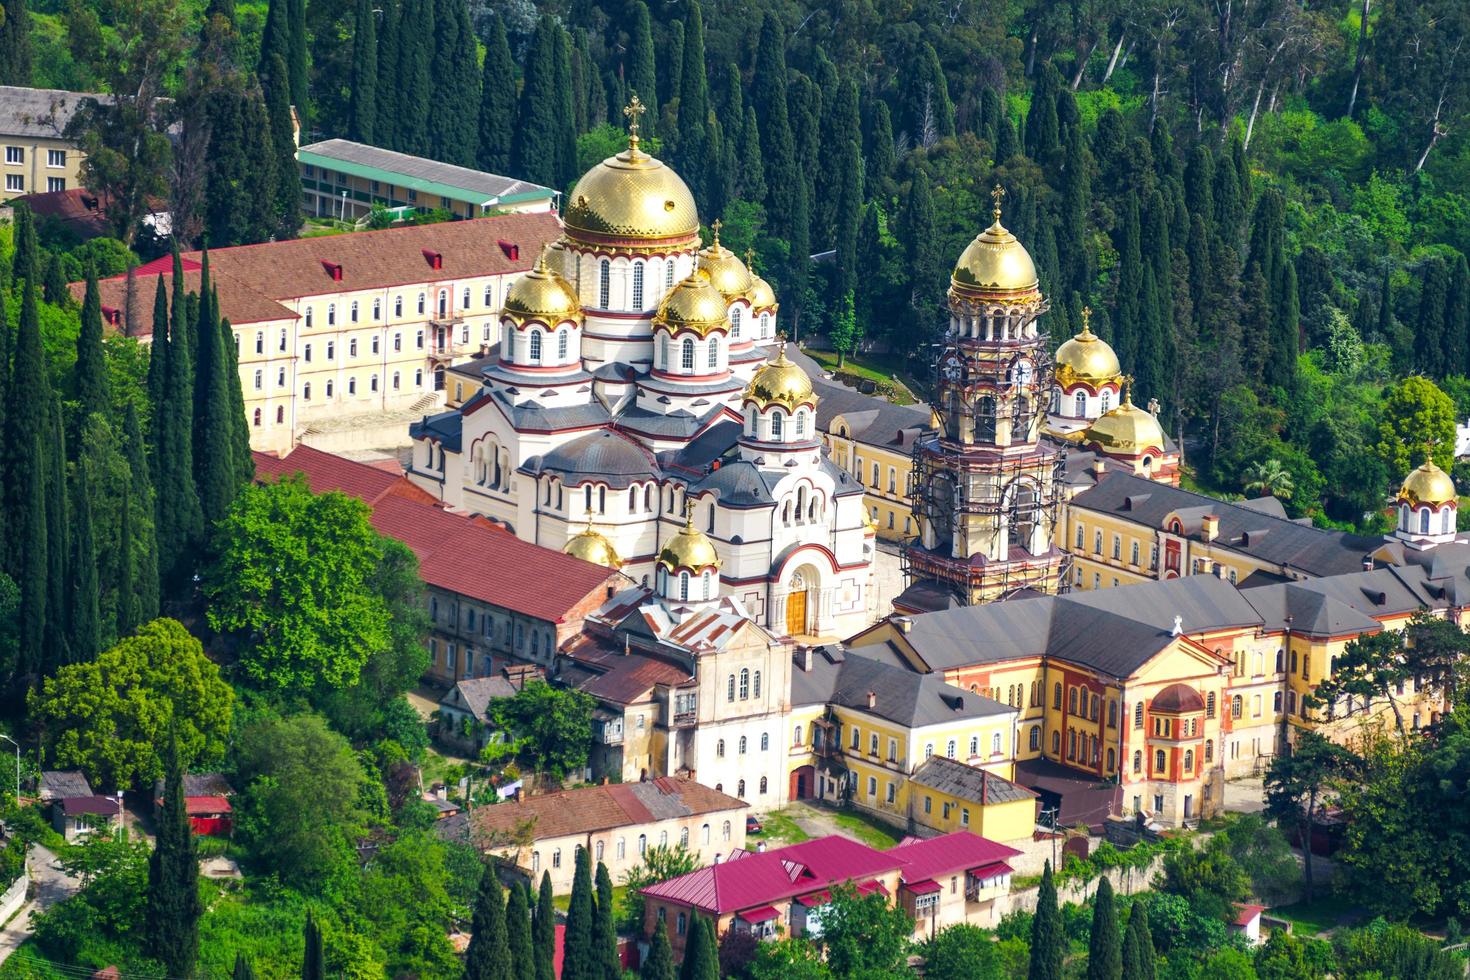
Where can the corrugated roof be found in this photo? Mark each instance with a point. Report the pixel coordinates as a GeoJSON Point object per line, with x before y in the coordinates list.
{"type": "Point", "coordinates": [949, 854]}
{"type": "Point", "coordinates": [38, 112]}
{"type": "Point", "coordinates": [900, 695]}
{"type": "Point", "coordinates": [589, 809]}
{"type": "Point", "coordinates": [968, 782]}
{"type": "Point", "coordinates": [419, 173]}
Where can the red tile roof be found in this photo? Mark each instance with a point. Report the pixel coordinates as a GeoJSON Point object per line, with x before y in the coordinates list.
{"type": "Point", "coordinates": [589, 809]}
{"type": "Point", "coordinates": [949, 854]}
{"type": "Point", "coordinates": [457, 552]}
{"type": "Point", "coordinates": [748, 879]}
{"type": "Point", "coordinates": [204, 805]}
{"type": "Point", "coordinates": [1245, 913]}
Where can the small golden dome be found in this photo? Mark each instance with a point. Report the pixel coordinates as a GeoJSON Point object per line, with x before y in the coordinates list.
{"type": "Point", "coordinates": [762, 296]}
{"type": "Point", "coordinates": [724, 269]}
{"type": "Point", "coordinates": [780, 382]}
{"type": "Point", "coordinates": [995, 261]}
{"type": "Point", "coordinates": [632, 199]}
{"type": "Point", "coordinates": [693, 304]}
{"type": "Point", "coordinates": [1428, 485]}
{"type": "Point", "coordinates": [689, 549]}
{"type": "Point", "coordinates": [1127, 430]}
{"type": "Point", "coordinates": [1087, 359]}
{"type": "Point", "coordinates": [592, 546]}
{"type": "Point", "coordinates": [541, 294]}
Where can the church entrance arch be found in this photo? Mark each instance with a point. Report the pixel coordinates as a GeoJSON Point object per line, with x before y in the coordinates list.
{"type": "Point", "coordinates": [801, 600]}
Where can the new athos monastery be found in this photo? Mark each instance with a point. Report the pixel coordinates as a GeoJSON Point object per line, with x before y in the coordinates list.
{"type": "Point", "coordinates": [641, 415]}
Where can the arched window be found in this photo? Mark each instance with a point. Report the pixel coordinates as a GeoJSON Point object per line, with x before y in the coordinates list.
{"type": "Point", "coordinates": [704, 834]}
{"type": "Point", "coordinates": [562, 342]}
{"type": "Point", "coordinates": [1138, 715]}
{"type": "Point", "coordinates": [489, 297]}
{"type": "Point", "coordinates": [637, 286]}
{"type": "Point", "coordinates": [740, 789]}
{"type": "Point", "coordinates": [949, 749]}
{"type": "Point", "coordinates": [1111, 758]}
{"type": "Point", "coordinates": [796, 735]}
{"type": "Point", "coordinates": [257, 418]}
{"type": "Point", "coordinates": [1107, 401]}
{"type": "Point", "coordinates": [1072, 702]}
{"type": "Point", "coordinates": [706, 581]}
{"type": "Point", "coordinates": [422, 307]}
{"type": "Point", "coordinates": [756, 689]}
{"type": "Point", "coordinates": [556, 858]}
{"type": "Point", "coordinates": [801, 425]}
{"type": "Point", "coordinates": [1235, 706]}
{"type": "Point", "coordinates": [642, 844]}
{"type": "Point", "coordinates": [684, 837]}
{"type": "Point", "coordinates": [765, 743]}
{"type": "Point", "coordinates": [714, 354]}
{"type": "Point", "coordinates": [763, 785]}
{"type": "Point", "coordinates": [443, 302]}
{"type": "Point", "coordinates": [730, 689]}
{"type": "Point", "coordinates": [535, 860]}
{"type": "Point", "coordinates": [686, 354]}
{"type": "Point", "coordinates": [535, 346]}
{"type": "Point", "coordinates": [985, 419]}
{"type": "Point", "coordinates": [720, 748]}
{"type": "Point", "coordinates": [280, 414]}
{"type": "Point", "coordinates": [1056, 743]}
{"type": "Point", "coordinates": [331, 314]}
{"type": "Point", "coordinates": [1209, 750]}
{"type": "Point", "coordinates": [1056, 695]}
{"type": "Point", "coordinates": [776, 425]}
{"type": "Point", "coordinates": [735, 322]}
{"type": "Point", "coordinates": [1403, 509]}
{"type": "Point", "coordinates": [1210, 705]}
{"type": "Point", "coordinates": [604, 283]}
{"type": "Point", "coordinates": [725, 830]}
{"type": "Point", "coordinates": [1189, 760]}
{"type": "Point", "coordinates": [683, 585]}
{"type": "Point", "coordinates": [744, 683]}
{"type": "Point", "coordinates": [599, 850]}
{"type": "Point", "coordinates": [663, 838]}
{"type": "Point", "coordinates": [1424, 521]}
{"type": "Point", "coordinates": [352, 312]}
{"type": "Point", "coordinates": [1138, 762]}
{"type": "Point", "coordinates": [995, 744]}
{"type": "Point", "coordinates": [1035, 740]}
{"type": "Point", "coordinates": [1159, 763]}
{"type": "Point", "coordinates": [1080, 404]}
{"type": "Point", "coordinates": [669, 274]}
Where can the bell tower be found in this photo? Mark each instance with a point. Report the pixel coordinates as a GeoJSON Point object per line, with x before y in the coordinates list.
{"type": "Point", "coordinates": [985, 490]}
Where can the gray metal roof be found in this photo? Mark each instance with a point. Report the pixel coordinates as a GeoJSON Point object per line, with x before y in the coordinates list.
{"type": "Point", "coordinates": [476, 185]}
{"type": "Point", "coordinates": [532, 417]}
{"type": "Point", "coordinates": [968, 782]}
{"type": "Point", "coordinates": [1308, 611]}
{"type": "Point", "coordinates": [446, 427]}
{"type": "Point", "coordinates": [41, 113]}
{"type": "Point", "coordinates": [901, 695]}
{"type": "Point", "coordinates": [476, 693]}
{"type": "Point", "coordinates": [604, 456]}
{"type": "Point", "coordinates": [1248, 530]}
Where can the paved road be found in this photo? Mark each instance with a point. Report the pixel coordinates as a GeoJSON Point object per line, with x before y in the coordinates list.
{"type": "Point", "coordinates": [51, 885]}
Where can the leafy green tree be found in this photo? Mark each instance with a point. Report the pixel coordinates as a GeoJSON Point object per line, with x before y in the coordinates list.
{"type": "Point", "coordinates": [962, 952]}
{"type": "Point", "coordinates": [660, 962]}
{"type": "Point", "coordinates": [497, 102]}
{"type": "Point", "coordinates": [1105, 950]}
{"type": "Point", "coordinates": [109, 717]}
{"type": "Point", "coordinates": [1048, 942]}
{"type": "Point", "coordinates": [1285, 957]}
{"type": "Point", "coordinates": [243, 970]}
{"type": "Point", "coordinates": [1370, 668]}
{"type": "Point", "coordinates": [1295, 784]}
{"type": "Point", "coordinates": [300, 805]}
{"type": "Point", "coordinates": [1208, 877]}
{"type": "Point", "coordinates": [1227, 964]}
{"type": "Point", "coordinates": [488, 955]}
{"type": "Point", "coordinates": [1138, 945]}
{"type": "Point", "coordinates": [294, 575]}
{"type": "Point", "coordinates": [788, 959]}
{"type": "Point", "coordinates": [864, 934]}
{"type": "Point", "coordinates": [1417, 422]}
{"type": "Point", "coordinates": [1393, 950]}
{"type": "Point", "coordinates": [660, 863]}
{"type": "Point", "coordinates": [543, 930]}
{"type": "Point", "coordinates": [174, 907]}
{"type": "Point", "coordinates": [1264, 854]}
{"type": "Point", "coordinates": [551, 727]}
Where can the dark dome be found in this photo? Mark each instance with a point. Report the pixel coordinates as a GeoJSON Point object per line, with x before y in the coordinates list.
{"type": "Point", "coordinates": [1178, 699]}
{"type": "Point", "coordinates": [603, 456]}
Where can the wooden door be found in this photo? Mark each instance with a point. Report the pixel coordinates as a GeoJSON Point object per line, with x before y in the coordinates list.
{"type": "Point", "coordinates": [796, 612]}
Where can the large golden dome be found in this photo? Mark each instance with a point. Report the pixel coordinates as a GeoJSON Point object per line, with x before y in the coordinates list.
{"type": "Point", "coordinates": [724, 269]}
{"type": "Point", "coordinates": [631, 200]}
{"type": "Point", "coordinates": [1127, 430]}
{"type": "Point", "coordinates": [1087, 359]}
{"type": "Point", "coordinates": [1428, 485]}
{"type": "Point", "coordinates": [780, 382]}
{"type": "Point", "coordinates": [689, 549]}
{"type": "Point", "coordinates": [592, 546]}
{"type": "Point", "coordinates": [543, 295]}
{"type": "Point", "coordinates": [693, 304]}
{"type": "Point", "coordinates": [996, 262]}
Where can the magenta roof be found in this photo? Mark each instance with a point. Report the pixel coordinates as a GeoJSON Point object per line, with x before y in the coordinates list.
{"type": "Point", "coordinates": [949, 854]}
{"type": "Point", "coordinates": [747, 879]}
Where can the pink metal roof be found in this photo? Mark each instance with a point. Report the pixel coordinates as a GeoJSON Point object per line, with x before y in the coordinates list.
{"type": "Point", "coordinates": [763, 914]}
{"type": "Point", "coordinates": [949, 854]}
{"type": "Point", "coordinates": [926, 887]}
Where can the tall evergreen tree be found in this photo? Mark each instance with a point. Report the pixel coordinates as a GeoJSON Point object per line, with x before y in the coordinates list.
{"type": "Point", "coordinates": [848, 218]}
{"type": "Point", "coordinates": [1430, 330]}
{"type": "Point", "coordinates": [920, 241]}
{"type": "Point", "coordinates": [1138, 945]}
{"type": "Point", "coordinates": [778, 145]}
{"type": "Point", "coordinates": [519, 945]}
{"type": "Point", "coordinates": [456, 85]}
{"type": "Point", "coordinates": [671, 64]}
{"type": "Point", "coordinates": [1048, 940]}
{"type": "Point", "coordinates": [89, 376]}
{"type": "Point", "coordinates": [296, 54]}
{"type": "Point", "coordinates": [642, 73]}
{"type": "Point", "coordinates": [243, 970]}
{"type": "Point", "coordinates": [158, 362]}
{"type": "Point", "coordinates": [386, 92]}
{"type": "Point", "coordinates": [240, 428]}
{"type": "Point", "coordinates": [1043, 130]}
{"type": "Point", "coordinates": [879, 152]}
{"type": "Point", "coordinates": [497, 102]}
{"type": "Point", "coordinates": [137, 579]}
{"type": "Point", "coordinates": [25, 484]}
{"type": "Point", "coordinates": [798, 265]}
{"type": "Point", "coordinates": [1457, 318]}
{"type": "Point", "coordinates": [537, 147]}
{"type": "Point", "coordinates": [702, 953]}
{"type": "Point", "coordinates": [1071, 233]}
{"type": "Point", "coordinates": [841, 126]}
{"type": "Point", "coordinates": [275, 36]}
{"type": "Point", "coordinates": [1199, 186]}
{"type": "Point", "coordinates": [215, 471]}
{"type": "Point", "coordinates": [364, 105]}
{"type": "Point", "coordinates": [1228, 208]}
{"type": "Point", "coordinates": [566, 133]}
{"type": "Point", "coordinates": [179, 520]}
{"type": "Point", "coordinates": [416, 92]}
{"type": "Point", "coordinates": [173, 908]}
{"type": "Point", "coordinates": [26, 264]}
{"type": "Point", "coordinates": [660, 962]}
{"type": "Point", "coordinates": [284, 178]}
{"type": "Point", "coordinates": [1127, 309]}
{"type": "Point", "coordinates": [751, 180]}
{"type": "Point", "coordinates": [83, 622]}
{"type": "Point", "coordinates": [488, 956]}
{"type": "Point", "coordinates": [693, 147]}
{"type": "Point", "coordinates": [15, 43]}
{"type": "Point", "coordinates": [1267, 257]}
{"type": "Point", "coordinates": [58, 540]}
{"type": "Point", "coordinates": [1006, 143]}
{"type": "Point", "coordinates": [1104, 951]}
{"type": "Point", "coordinates": [579, 960]}
{"type": "Point", "coordinates": [543, 932]}
{"type": "Point", "coordinates": [928, 113]}
{"type": "Point", "coordinates": [314, 963]}
{"type": "Point", "coordinates": [604, 929]}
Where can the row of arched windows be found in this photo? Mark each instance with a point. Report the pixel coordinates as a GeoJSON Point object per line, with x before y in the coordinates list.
{"type": "Point", "coordinates": [535, 345]}
{"type": "Point", "coordinates": [744, 745]}
{"type": "Point", "coordinates": [747, 691]}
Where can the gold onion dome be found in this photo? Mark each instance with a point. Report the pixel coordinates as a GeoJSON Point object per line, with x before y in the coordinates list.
{"type": "Point", "coordinates": [1428, 485]}
{"type": "Point", "coordinates": [780, 382]}
{"type": "Point", "coordinates": [631, 198]}
{"type": "Point", "coordinates": [542, 294]}
{"type": "Point", "coordinates": [762, 296]}
{"type": "Point", "coordinates": [1087, 358]}
{"type": "Point", "coordinates": [693, 304]}
{"type": "Point", "coordinates": [689, 548]}
{"type": "Point", "coordinates": [723, 268]}
{"type": "Point", "coordinates": [592, 546]}
{"type": "Point", "coordinates": [995, 261]}
{"type": "Point", "coordinates": [1127, 430]}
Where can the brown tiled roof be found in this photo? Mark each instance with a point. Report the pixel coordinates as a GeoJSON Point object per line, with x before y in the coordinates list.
{"type": "Point", "coordinates": [589, 809]}
{"type": "Point", "coordinates": [622, 678]}
{"type": "Point", "coordinates": [238, 304]}
{"type": "Point", "coordinates": [327, 471]}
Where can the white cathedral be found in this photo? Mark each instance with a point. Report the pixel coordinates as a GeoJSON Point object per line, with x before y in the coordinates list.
{"type": "Point", "coordinates": [639, 397]}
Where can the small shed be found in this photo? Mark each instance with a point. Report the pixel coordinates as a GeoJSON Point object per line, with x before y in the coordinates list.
{"type": "Point", "coordinates": [75, 817]}
{"type": "Point", "coordinates": [57, 784]}
{"type": "Point", "coordinates": [207, 800]}
{"type": "Point", "coordinates": [1247, 923]}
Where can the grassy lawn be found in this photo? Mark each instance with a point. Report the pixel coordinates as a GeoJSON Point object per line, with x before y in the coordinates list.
{"type": "Point", "coordinates": [873, 833]}
{"type": "Point", "coordinates": [779, 829]}
{"type": "Point", "coordinates": [620, 893]}
{"type": "Point", "coordinates": [1308, 919]}
{"type": "Point", "coordinates": [874, 367]}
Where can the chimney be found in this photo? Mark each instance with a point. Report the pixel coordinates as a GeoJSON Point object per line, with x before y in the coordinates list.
{"type": "Point", "coordinates": [1099, 467]}
{"type": "Point", "coordinates": [905, 623]}
{"type": "Point", "coordinates": [1211, 526]}
{"type": "Point", "coordinates": [760, 847]}
{"type": "Point", "coordinates": [1367, 563]}
{"type": "Point", "coordinates": [805, 659]}
{"type": "Point", "coordinates": [872, 699]}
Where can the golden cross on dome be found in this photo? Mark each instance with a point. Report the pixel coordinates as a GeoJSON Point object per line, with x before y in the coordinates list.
{"type": "Point", "coordinates": [1128, 389]}
{"type": "Point", "coordinates": [633, 110]}
{"type": "Point", "coordinates": [688, 513]}
{"type": "Point", "coordinates": [750, 260]}
{"type": "Point", "coordinates": [996, 196]}
{"type": "Point", "coordinates": [715, 227]}
{"type": "Point", "coordinates": [1087, 319]}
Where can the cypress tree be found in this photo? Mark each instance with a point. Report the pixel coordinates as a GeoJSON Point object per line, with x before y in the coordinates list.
{"type": "Point", "coordinates": [849, 218]}
{"type": "Point", "coordinates": [314, 963]}
{"type": "Point", "coordinates": [878, 150]}
{"type": "Point", "coordinates": [284, 179]}
{"type": "Point", "coordinates": [275, 37]}
{"type": "Point", "coordinates": [642, 72]}
{"type": "Point", "coordinates": [922, 248]}
{"type": "Point", "coordinates": [1228, 209]}
{"type": "Point", "coordinates": [83, 620]}
{"type": "Point", "coordinates": [215, 469]}
{"type": "Point", "coordinates": [1043, 130]}
{"type": "Point", "coordinates": [15, 43]}
{"type": "Point", "coordinates": [566, 134]}
{"type": "Point", "coordinates": [488, 956]}
{"type": "Point", "coordinates": [243, 969]}
{"type": "Point", "coordinates": [497, 102]}
{"type": "Point", "coordinates": [1104, 951]}
{"type": "Point", "coordinates": [1071, 233]}
{"type": "Point", "coordinates": [519, 946]}
{"type": "Point", "coordinates": [173, 908]}
{"type": "Point", "coordinates": [240, 429]}
{"type": "Point", "coordinates": [604, 930]}
{"type": "Point", "coordinates": [125, 607]}
{"type": "Point", "coordinates": [1430, 330]}
{"type": "Point", "coordinates": [364, 105]}
{"type": "Point", "coordinates": [702, 954]}
{"type": "Point", "coordinates": [415, 54]}
{"type": "Point", "coordinates": [1457, 318]}
{"type": "Point", "coordinates": [1385, 308]}
{"type": "Point", "coordinates": [671, 75]}
{"type": "Point", "coordinates": [579, 960]}
{"type": "Point", "coordinates": [58, 539]}
{"type": "Point", "coordinates": [25, 478]}
{"type": "Point", "coordinates": [692, 150]}
{"type": "Point", "coordinates": [1267, 257]}
{"type": "Point", "coordinates": [296, 54]}
{"type": "Point", "coordinates": [158, 368]}
{"type": "Point", "coordinates": [543, 931]}
{"type": "Point", "coordinates": [455, 97]}
{"type": "Point", "coordinates": [1199, 191]}
{"type": "Point", "coordinates": [1048, 941]}
{"type": "Point", "coordinates": [143, 541]}
{"type": "Point", "coordinates": [386, 132]}
{"type": "Point", "coordinates": [89, 376]}
{"type": "Point", "coordinates": [799, 262]}
{"type": "Point", "coordinates": [660, 962]}
{"type": "Point", "coordinates": [928, 113]}
{"type": "Point", "coordinates": [1127, 311]}
{"type": "Point", "coordinates": [839, 149]}
{"type": "Point", "coordinates": [53, 284]}
{"type": "Point", "coordinates": [1006, 144]}
{"type": "Point", "coordinates": [26, 264]}
{"type": "Point", "coordinates": [179, 520]}
{"type": "Point", "coordinates": [536, 148]}
{"type": "Point", "coordinates": [778, 146]}
{"type": "Point", "coordinates": [751, 182]}
{"type": "Point", "coordinates": [805, 112]}
{"type": "Point", "coordinates": [1138, 945]}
